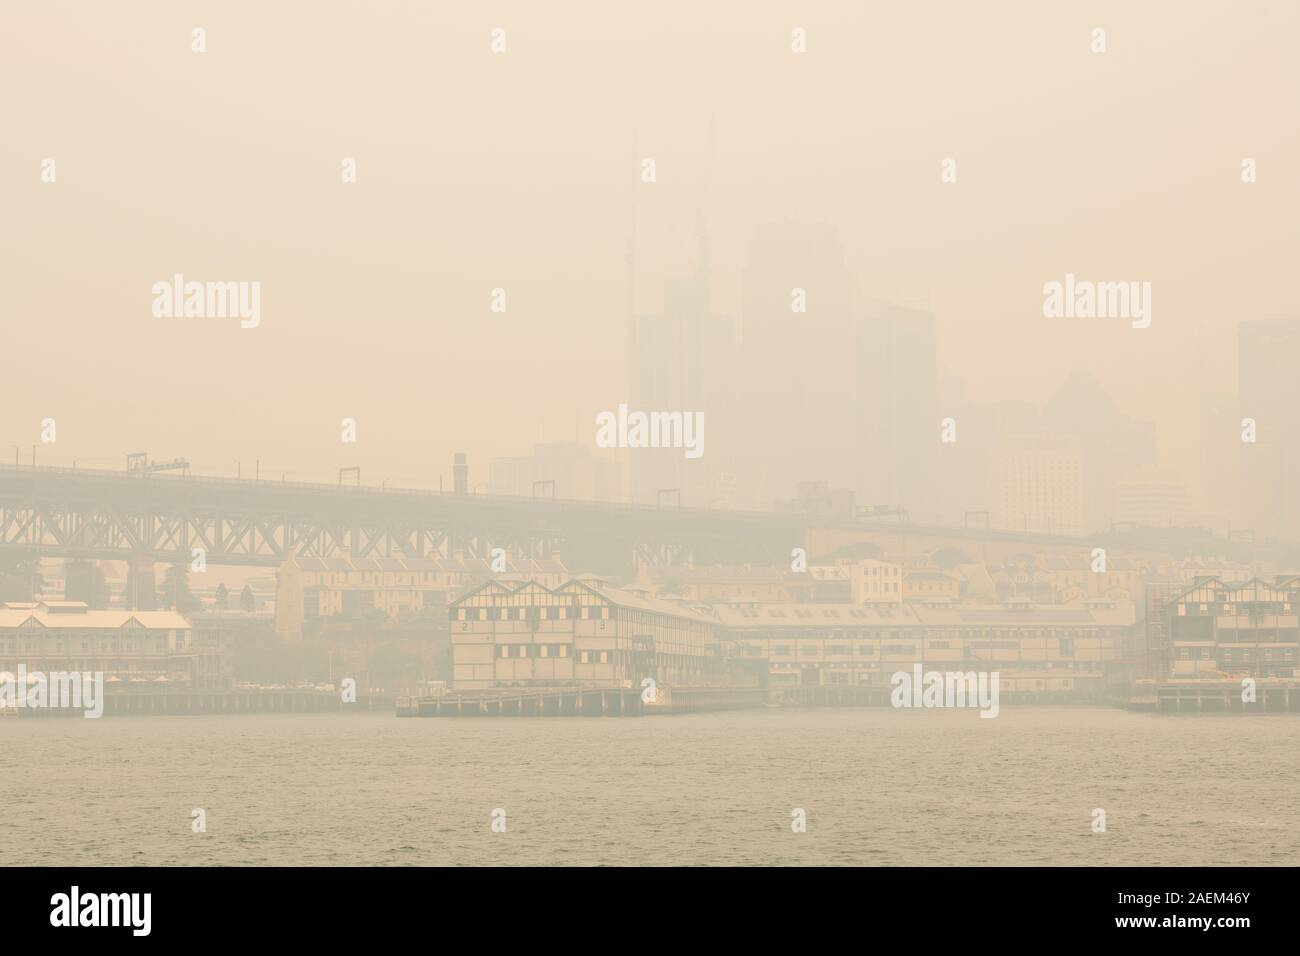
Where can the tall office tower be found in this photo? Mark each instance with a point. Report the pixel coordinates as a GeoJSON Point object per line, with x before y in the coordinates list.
{"type": "Point", "coordinates": [1112, 446]}
{"type": "Point", "coordinates": [682, 361]}
{"type": "Point", "coordinates": [1039, 487]}
{"type": "Point", "coordinates": [966, 467]}
{"type": "Point", "coordinates": [1269, 372]}
{"type": "Point", "coordinates": [897, 427]}
{"type": "Point", "coordinates": [795, 418]}
{"type": "Point", "coordinates": [1221, 447]}
{"type": "Point", "coordinates": [1152, 499]}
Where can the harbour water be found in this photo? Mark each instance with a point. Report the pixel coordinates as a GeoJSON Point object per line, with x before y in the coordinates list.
{"type": "Point", "coordinates": [879, 787]}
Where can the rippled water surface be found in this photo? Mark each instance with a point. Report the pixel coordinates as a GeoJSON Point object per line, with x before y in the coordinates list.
{"type": "Point", "coordinates": [878, 787]}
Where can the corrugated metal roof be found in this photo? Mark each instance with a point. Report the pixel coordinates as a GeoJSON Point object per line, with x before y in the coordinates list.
{"type": "Point", "coordinates": [343, 563]}
{"type": "Point", "coordinates": [13, 616]}
{"type": "Point", "coordinates": [883, 615]}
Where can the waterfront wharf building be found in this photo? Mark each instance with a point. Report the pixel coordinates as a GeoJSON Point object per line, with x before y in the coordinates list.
{"type": "Point", "coordinates": [582, 632]}
{"type": "Point", "coordinates": [1054, 649]}
{"type": "Point", "coordinates": [126, 645]}
{"type": "Point", "coordinates": [1219, 629]}
{"type": "Point", "coordinates": [343, 586]}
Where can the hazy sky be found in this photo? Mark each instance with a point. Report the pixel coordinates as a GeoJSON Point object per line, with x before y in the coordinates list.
{"type": "Point", "coordinates": [518, 170]}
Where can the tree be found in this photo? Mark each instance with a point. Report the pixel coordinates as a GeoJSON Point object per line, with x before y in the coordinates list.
{"type": "Point", "coordinates": [949, 558]}
{"type": "Point", "coordinates": [674, 586]}
{"type": "Point", "coordinates": [20, 578]}
{"type": "Point", "coordinates": [85, 582]}
{"type": "Point", "coordinates": [222, 600]}
{"type": "Point", "coordinates": [246, 599]}
{"type": "Point", "coordinates": [141, 591]}
{"type": "Point", "coordinates": [176, 591]}
{"type": "Point", "coordinates": [101, 595]}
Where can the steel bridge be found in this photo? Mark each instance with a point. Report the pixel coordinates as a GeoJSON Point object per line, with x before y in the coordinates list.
{"type": "Point", "coordinates": [145, 515]}
{"type": "Point", "coordinates": [71, 513]}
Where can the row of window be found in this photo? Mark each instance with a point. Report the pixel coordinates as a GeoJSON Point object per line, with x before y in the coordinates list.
{"type": "Point", "coordinates": [538, 650]}
{"type": "Point", "coordinates": [1262, 608]}
{"type": "Point", "coordinates": [85, 647]}
{"type": "Point", "coordinates": [527, 613]}
{"type": "Point", "coordinates": [1064, 646]}
{"type": "Point", "coordinates": [519, 651]}
{"type": "Point", "coordinates": [938, 639]}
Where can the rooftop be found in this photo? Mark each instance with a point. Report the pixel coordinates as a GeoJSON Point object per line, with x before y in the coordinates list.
{"type": "Point", "coordinates": [54, 615]}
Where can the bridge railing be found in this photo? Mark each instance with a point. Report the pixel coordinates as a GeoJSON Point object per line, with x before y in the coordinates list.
{"type": "Point", "coordinates": [371, 490]}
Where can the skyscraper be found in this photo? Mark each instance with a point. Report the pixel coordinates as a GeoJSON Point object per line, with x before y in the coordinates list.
{"type": "Point", "coordinates": [683, 361]}
{"type": "Point", "coordinates": [897, 426]}
{"type": "Point", "coordinates": [796, 419]}
{"type": "Point", "coordinates": [1269, 369]}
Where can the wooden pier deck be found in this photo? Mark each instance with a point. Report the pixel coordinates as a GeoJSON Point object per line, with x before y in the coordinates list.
{"type": "Point", "coordinates": [1273, 695]}
{"type": "Point", "coordinates": [558, 702]}
{"type": "Point", "coordinates": [579, 701]}
{"type": "Point", "coordinates": [195, 702]}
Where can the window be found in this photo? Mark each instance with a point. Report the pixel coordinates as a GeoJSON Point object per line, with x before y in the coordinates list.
{"type": "Point", "coordinates": [564, 650]}
{"type": "Point", "coordinates": [544, 650]}
{"type": "Point", "coordinates": [523, 650]}
{"type": "Point", "coordinates": [584, 657]}
{"type": "Point", "coordinates": [604, 657]}
{"type": "Point", "coordinates": [504, 650]}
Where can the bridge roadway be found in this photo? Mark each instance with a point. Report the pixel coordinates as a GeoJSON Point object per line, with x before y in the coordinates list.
{"type": "Point", "coordinates": [64, 512]}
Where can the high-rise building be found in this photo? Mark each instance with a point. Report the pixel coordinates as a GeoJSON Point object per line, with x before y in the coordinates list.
{"type": "Point", "coordinates": [1221, 448]}
{"type": "Point", "coordinates": [1269, 370]}
{"type": "Point", "coordinates": [1152, 501]}
{"type": "Point", "coordinates": [683, 360]}
{"type": "Point", "coordinates": [1038, 485]}
{"type": "Point", "coordinates": [1113, 447]}
{"type": "Point", "coordinates": [832, 387]}
{"type": "Point", "coordinates": [897, 427]}
{"type": "Point", "coordinates": [796, 418]}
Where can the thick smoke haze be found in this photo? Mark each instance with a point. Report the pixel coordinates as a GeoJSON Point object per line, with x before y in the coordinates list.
{"type": "Point", "coordinates": [477, 171]}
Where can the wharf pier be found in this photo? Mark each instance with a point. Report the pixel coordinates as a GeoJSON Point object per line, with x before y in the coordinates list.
{"type": "Point", "coordinates": [1273, 695]}
{"type": "Point", "coordinates": [194, 702]}
{"type": "Point", "coordinates": [579, 701]}
{"type": "Point", "coordinates": [879, 696]}
{"type": "Point", "coordinates": [533, 702]}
